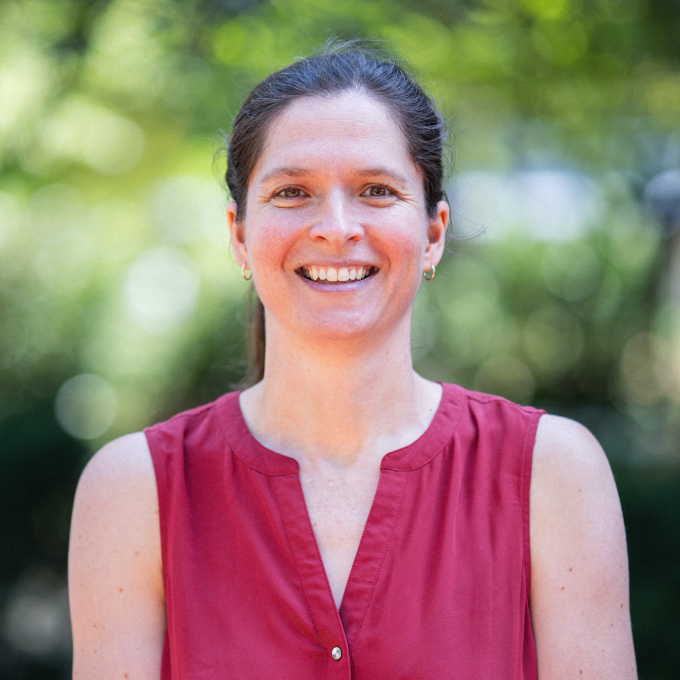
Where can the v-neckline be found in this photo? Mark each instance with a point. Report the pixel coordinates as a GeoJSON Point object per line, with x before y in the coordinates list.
{"type": "Point", "coordinates": [410, 457]}
{"type": "Point", "coordinates": [336, 626]}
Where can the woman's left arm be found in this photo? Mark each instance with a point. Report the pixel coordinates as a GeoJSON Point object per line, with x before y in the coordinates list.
{"type": "Point", "coordinates": [579, 565]}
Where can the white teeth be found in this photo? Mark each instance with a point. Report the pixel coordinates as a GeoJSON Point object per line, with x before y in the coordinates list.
{"type": "Point", "coordinates": [332, 274]}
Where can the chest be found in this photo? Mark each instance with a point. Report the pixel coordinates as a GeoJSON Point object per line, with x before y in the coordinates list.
{"type": "Point", "coordinates": [338, 504]}
{"type": "Point", "coordinates": [436, 588]}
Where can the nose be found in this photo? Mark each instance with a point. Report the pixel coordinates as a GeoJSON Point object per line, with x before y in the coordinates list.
{"type": "Point", "coordinates": [335, 222]}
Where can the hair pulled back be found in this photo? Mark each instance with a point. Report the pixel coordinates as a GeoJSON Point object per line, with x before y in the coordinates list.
{"type": "Point", "coordinates": [339, 67]}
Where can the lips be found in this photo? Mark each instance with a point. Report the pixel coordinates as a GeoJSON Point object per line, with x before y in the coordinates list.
{"type": "Point", "coordinates": [336, 274]}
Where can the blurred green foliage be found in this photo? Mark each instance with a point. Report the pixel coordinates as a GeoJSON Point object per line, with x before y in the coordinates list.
{"type": "Point", "coordinates": [120, 303]}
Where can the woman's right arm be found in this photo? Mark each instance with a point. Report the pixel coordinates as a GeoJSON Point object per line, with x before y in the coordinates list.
{"type": "Point", "coordinates": [116, 587]}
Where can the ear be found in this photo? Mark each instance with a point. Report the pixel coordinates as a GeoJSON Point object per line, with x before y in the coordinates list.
{"type": "Point", "coordinates": [237, 234]}
{"type": "Point", "coordinates": [436, 235]}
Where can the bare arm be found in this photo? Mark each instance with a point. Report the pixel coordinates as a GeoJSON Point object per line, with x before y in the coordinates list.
{"type": "Point", "coordinates": [115, 570]}
{"type": "Point", "coordinates": [579, 565]}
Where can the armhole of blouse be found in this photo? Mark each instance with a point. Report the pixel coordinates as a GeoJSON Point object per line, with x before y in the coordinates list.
{"type": "Point", "coordinates": [527, 463]}
{"type": "Point", "coordinates": [159, 466]}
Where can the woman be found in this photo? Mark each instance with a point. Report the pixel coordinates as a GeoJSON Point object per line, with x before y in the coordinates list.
{"type": "Point", "coordinates": [343, 517]}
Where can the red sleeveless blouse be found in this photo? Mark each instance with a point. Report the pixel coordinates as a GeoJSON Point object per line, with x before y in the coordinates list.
{"type": "Point", "coordinates": [440, 584]}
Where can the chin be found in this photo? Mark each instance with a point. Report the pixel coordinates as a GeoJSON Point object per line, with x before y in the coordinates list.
{"type": "Point", "coordinates": [336, 327]}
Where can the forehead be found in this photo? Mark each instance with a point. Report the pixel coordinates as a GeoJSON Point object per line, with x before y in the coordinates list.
{"type": "Point", "coordinates": [342, 131]}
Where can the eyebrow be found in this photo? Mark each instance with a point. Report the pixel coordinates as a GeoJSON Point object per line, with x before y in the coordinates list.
{"type": "Point", "coordinates": [286, 172]}
{"type": "Point", "coordinates": [372, 172]}
{"type": "Point", "coordinates": [300, 172]}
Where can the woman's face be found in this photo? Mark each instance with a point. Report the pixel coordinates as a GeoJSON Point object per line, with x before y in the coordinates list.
{"type": "Point", "coordinates": [336, 230]}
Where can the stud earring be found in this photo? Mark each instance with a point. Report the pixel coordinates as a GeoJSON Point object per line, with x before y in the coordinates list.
{"type": "Point", "coordinates": [429, 271]}
{"type": "Point", "coordinates": [243, 272]}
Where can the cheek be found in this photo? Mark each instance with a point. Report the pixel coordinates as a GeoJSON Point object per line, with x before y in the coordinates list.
{"type": "Point", "coordinates": [409, 244]}
{"type": "Point", "coordinates": [404, 240]}
{"type": "Point", "coordinates": [268, 242]}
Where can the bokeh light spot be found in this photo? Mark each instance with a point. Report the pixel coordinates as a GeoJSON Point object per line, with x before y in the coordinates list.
{"type": "Point", "coordinates": [161, 288]}
{"type": "Point", "coordinates": [188, 209]}
{"type": "Point", "coordinates": [86, 405]}
{"type": "Point", "coordinates": [92, 134]}
{"type": "Point", "coordinates": [36, 617]}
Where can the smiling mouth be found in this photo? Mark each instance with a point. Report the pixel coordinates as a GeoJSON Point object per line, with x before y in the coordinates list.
{"type": "Point", "coordinates": [337, 275]}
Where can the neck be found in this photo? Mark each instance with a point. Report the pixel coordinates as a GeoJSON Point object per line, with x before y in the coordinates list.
{"type": "Point", "coordinates": [339, 402]}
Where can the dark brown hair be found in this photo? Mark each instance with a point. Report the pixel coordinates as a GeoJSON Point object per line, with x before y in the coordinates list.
{"type": "Point", "coordinates": [338, 67]}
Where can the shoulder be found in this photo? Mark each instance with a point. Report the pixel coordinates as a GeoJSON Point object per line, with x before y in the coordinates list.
{"type": "Point", "coordinates": [579, 567]}
{"type": "Point", "coordinates": [574, 504]}
{"type": "Point", "coordinates": [490, 402]}
{"type": "Point", "coordinates": [572, 485]}
{"type": "Point", "coordinates": [116, 494]}
{"type": "Point", "coordinates": [119, 472]}
{"type": "Point", "coordinates": [558, 436]}
{"type": "Point", "coordinates": [569, 465]}
{"type": "Point", "coordinates": [120, 456]}
{"type": "Point", "coordinates": [508, 425]}
{"type": "Point", "coordinates": [202, 423]}
{"type": "Point", "coordinates": [115, 523]}
{"type": "Point", "coordinates": [116, 587]}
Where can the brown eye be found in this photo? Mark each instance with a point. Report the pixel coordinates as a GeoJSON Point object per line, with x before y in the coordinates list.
{"type": "Point", "coordinates": [377, 191]}
{"type": "Point", "coordinates": [290, 192]}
